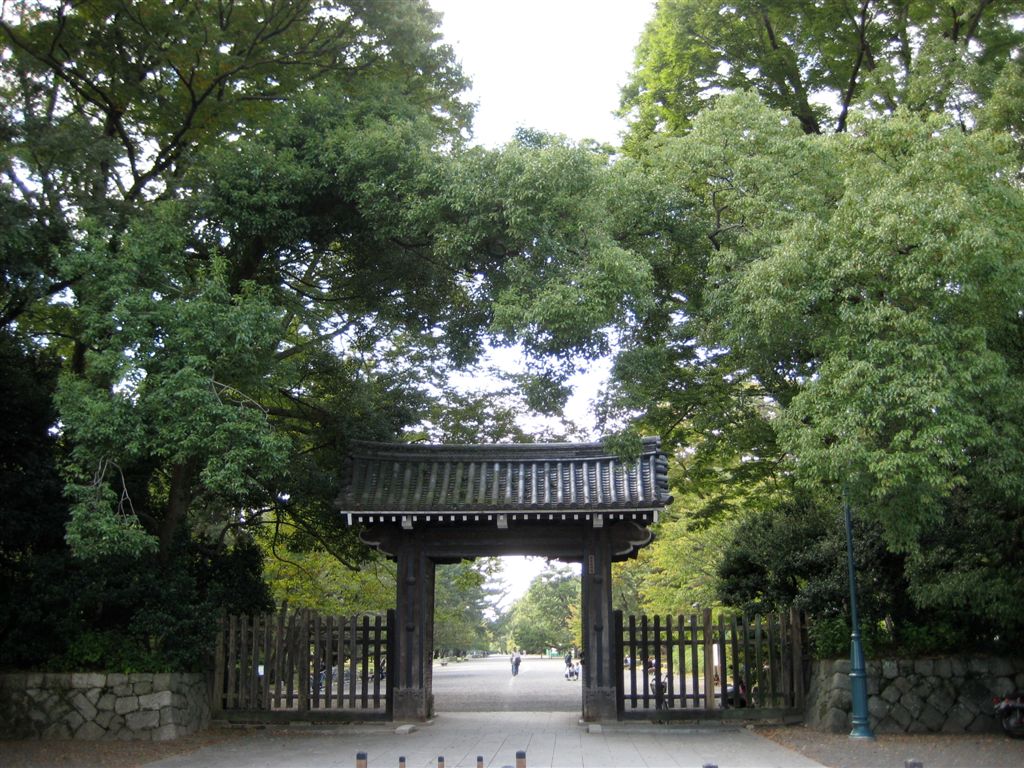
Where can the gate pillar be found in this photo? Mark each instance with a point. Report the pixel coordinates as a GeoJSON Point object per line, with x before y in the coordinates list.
{"type": "Point", "coordinates": [414, 635]}
{"type": "Point", "coordinates": [599, 668]}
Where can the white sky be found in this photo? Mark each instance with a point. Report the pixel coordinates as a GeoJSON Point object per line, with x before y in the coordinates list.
{"type": "Point", "coordinates": [555, 65]}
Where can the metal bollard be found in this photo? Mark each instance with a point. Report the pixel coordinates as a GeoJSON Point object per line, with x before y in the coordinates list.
{"type": "Point", "coordinates": [401, 761]}
{"type": "Point", "coordinates": [709, 765]}
{"type": "Point", "coordinates": [479, 761]}
{"type": "Point", "coordinates": [360, 760]}
{"type": "Point", "coordinates": [913, 764]}
{"type": "Point", "coordinates": [521, 759]}
{"type": "Point", "coordinates": [440, 761]}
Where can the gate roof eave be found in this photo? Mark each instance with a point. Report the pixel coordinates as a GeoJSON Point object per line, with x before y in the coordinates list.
{"type": "Point", "coordinates": [417, 483]}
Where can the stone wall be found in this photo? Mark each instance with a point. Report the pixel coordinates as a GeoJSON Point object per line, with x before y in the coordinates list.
{"type": "Point", "coordinates": [922, 695]}
{"type": "Point", "coordinates": [102, 706]}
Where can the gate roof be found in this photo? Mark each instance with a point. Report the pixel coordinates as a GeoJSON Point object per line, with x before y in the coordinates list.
{"type": "Point", "coordinates": [401, 482]}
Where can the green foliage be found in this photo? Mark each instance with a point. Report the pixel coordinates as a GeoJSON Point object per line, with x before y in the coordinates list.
{"type": "Point", "coordinates": [547, 616]}
{"type": "Point", "coordinates": [464, 595]}
{"type": "Point", "coordinates": [819, 62]}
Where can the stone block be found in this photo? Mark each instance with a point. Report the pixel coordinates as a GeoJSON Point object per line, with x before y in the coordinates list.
{"type": "Point", "coordinates": [123, 689]}
{"type": "Point", "coordinates": [126, 704]}
{"type": "Point", "coordinates": [841, 667]}
{"type": "Point", "coordinates": [891, 694]}
{"type": "Point", "coordinates": [878, 708]}
{"type": "Point", "coordinates": [978, 666]}
{"type": "Point", "coordinates": [106, 702]}
{"type": "Point", "coordinates": [57, 730]}
{"type": "Point", "coordinates": [943, 668]}
{"type": "Point", "coordinates": [943, 699]}
{"type": "Point", "coordinates": [932, 719]}
{"type": "Point", "coordinates": [836, 721]}
{"type": "Point", "coordinates": [104, 718]}
{"type": "Point", "coordinates": [82, 704]}
{"type": "Point", "coordinates": [74, 721]}
{"type": "Point", "coordinates": [901, 716]}
{"type": "Point", "coordinates": [142, 687]}
{"type": "Point", "coordinates": [166, 732]}
{"type": "Point", "coordinates": [1002, 686]}
{"type": "Point", "coordinates": [1001, 667]}
{"type": "Point", "coordinates": [924, 667]}
{"type": "Point", "coordinates": [405, 729]}
{"type": "Point", "coordinates": [913, 703]}
{"type": "Point", "coordinates": [88, 680]}
{"type": "Point", "coordinates": [116, 678]}
{"type": "Point", "coordinates": [142, 721]}
{"type": "Point", "coordinates": [90, 732]}
{"type": "Point", "coordinates": [839, 682]}
{"type": "Point", "coordinates": [156, 700]}
{"type": "Point", "coordinates": [958, 719]}
{"type": "Point", "coordinates": [166, 681]}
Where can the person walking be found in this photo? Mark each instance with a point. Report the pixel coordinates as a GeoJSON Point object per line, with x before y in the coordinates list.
{"type": "Point", "coordinates": [517, 659]}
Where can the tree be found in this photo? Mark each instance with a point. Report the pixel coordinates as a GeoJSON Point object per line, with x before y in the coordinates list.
{"type": "Point", "coordinates": [169, 247]}
{"type": "Point", "coordinates": [547, 616]}
{"type": "Point", "coordinates": [464, 595]}
{"type": "Point", "coordinates": [860, 333]}
{"type": "Point", "coordinates": [819, 62]}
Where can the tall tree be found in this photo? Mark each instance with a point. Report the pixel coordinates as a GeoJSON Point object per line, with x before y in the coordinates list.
{"type": "Point", "coordinates": [819, 61]}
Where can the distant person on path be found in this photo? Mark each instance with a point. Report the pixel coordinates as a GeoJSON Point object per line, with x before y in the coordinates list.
{"type": "Point", "coordinates": [517, 659]}
{"type": "Point", "coordinates": [568, 665]}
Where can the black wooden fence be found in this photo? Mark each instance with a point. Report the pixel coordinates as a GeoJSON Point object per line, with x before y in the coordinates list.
{"type": "Point", "coordinates": [687, 665]}
{"type": "Point", "coordinates": [271, 666]}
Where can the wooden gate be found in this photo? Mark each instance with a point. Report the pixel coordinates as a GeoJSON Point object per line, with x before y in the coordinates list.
{"type": "Point", "coordinates": [695, 667]}
{"type": "Point", "coordinates": [303, 666]}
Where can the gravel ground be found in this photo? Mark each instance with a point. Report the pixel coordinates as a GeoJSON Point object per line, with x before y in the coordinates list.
{"type": "Point", "coordinates": [892, 751]}
{"type": "Point", "coordinates": [105, 754]}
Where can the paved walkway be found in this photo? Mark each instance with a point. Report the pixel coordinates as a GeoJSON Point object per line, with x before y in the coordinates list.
{"type": "Point", "coordinates": [550, 739]}
{"type": "Point", "coordinates": [486, 712]}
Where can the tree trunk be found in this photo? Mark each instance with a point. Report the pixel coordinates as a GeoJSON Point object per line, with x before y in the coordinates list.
{"type": "Point", "coordinates": [178, 500]}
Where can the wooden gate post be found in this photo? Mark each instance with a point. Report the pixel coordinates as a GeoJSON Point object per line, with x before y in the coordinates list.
{"type": "Point", "coordinates": [414, 633]}
{"type": "Point", "coordinates": [599, 700]}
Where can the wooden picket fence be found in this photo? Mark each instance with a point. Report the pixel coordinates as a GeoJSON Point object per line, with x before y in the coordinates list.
{"type": "Point", "coordinates": [688, 666]}
{"type": "Point", "coordinates": [271, 666]}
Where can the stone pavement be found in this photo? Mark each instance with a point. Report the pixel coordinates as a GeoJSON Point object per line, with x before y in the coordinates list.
{"type": "Point", "coordinates": [550, 740]}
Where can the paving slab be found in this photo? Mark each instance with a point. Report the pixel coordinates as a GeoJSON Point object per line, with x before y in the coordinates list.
{"type": "Point", "coordinates": [550, 739]}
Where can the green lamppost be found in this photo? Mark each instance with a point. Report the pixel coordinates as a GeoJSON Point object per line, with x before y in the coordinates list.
{"type": "Point", "coordinates": [858, 674]}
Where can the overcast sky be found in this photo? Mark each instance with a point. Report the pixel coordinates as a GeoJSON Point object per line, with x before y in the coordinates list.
{"type": "Point", "coordinates": [555, 65]}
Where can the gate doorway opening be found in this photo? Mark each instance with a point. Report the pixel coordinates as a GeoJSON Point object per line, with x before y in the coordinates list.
{"type": "Point", "coordinates": [426, 505]}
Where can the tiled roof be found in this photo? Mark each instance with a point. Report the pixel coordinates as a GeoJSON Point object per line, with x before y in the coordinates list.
{"type": "Point", "coordinates": [417, 480]}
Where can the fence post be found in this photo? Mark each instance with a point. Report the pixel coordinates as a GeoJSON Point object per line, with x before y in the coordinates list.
{"type": "Point", "coordinates": [796, 646]}
{"type": "Point", "coordinates": [709, 661]}
{"type": "Point", "coordinates": [303, 660]}
{"type": "Point", "coordinates": [521, 759]}
{"type": "Point", "coordinates": [217, 699]}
